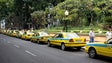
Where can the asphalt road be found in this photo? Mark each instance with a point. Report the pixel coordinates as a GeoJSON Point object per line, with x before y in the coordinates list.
{"type": "Point", "coordinates": [14, 50]}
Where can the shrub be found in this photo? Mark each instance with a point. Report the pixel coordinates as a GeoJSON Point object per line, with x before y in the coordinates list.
{"type": "Point", "coordinates": [108, 23]}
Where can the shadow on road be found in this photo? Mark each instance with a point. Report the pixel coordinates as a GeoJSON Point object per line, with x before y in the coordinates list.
{"type": "Point", "coordinates": [102, 58]}
{"type": "Point", "coordinates": [67, 49]}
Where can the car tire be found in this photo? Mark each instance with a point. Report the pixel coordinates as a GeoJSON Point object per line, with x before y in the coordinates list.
{"type": "Point", "coordinates": [63, 47]}
{"type": "Point", "coordinates": [38, 41]}
{"type": "Point", "coordinates": [48, 44]}
{"type": "Point", "coordinates": [78, 48]}
{"type": "Point", "coordinates": [92, 53]}
{"type": "Point", "coordinates": [25, 38]}
{"type": "Point", "coordinates": [31, 40]}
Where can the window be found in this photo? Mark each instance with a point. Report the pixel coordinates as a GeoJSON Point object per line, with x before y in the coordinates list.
{"type": "Point", "coordinates": [59, 36]}
{"type": "Point", "coordinates": [37, 34]}
{"type": "Point", "coordinates": [72, 35]}
{"type": "Point", "coordinates": [110, 41]}
{"type": "Point", "coordinates": [43, 34]}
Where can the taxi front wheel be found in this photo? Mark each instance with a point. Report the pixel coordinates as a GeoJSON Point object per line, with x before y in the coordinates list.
{"type": "Point", "coordinates": [78, 48]}
{"type": "Point", "coordinates": [63, 47]}
{"type": "Point", "coordinates": [92, 53]}
{"type": "Point", "coordinates": [48, 44]}
{"type": "Point", "coordinates": [31, 40]}
{"type": "Point", "coordinates": [38, 41]}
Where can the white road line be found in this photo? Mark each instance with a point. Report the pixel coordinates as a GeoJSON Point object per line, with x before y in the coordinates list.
{"type": "Point", "coordinates": [30, 53]}
{"type": "Point", "coordinates": [17, 46]}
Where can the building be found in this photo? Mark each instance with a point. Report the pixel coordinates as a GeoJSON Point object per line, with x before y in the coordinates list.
{"type": "Point", "coordinates": [2, 24]}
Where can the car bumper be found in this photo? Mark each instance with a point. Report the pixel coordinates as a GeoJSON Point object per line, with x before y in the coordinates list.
{"type": "Point", "coordinates": [75, 45]}
{"type": "Point", "coordinates": [86, 49]}
{"type": "Point", "coordinates": [43, 40]}
{"type": "Point", "coordinates": [27, 37]}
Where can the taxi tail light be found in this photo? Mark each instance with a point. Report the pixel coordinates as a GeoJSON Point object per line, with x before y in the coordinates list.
{"type": "Point", "coordinates": [71, 40]}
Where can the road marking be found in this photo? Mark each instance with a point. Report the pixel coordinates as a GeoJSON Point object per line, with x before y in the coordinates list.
{"type": "Point", "coordinates": [30, 53]}
{"type": "Point", "coordinates": [17, 46]}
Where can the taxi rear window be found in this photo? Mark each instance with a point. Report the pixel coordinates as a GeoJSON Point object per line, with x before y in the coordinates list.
{"type": "Point", "coordinates": [43, 34]}
{"type": "Point", "coordinates": [72, 35]}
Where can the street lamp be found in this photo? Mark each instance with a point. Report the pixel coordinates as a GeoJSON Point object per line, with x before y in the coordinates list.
{"type": "Point", "coordinates": [66, 14]}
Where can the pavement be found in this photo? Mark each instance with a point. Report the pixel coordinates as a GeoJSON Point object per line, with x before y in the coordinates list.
{"type": "Point", "coordinates": [14, 50]}
{"type": "Point", "coordinates": [96, 39]}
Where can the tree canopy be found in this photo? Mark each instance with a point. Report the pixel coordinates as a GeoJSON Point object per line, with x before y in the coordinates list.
{"type": "Point", "coordinates": [81, 12]}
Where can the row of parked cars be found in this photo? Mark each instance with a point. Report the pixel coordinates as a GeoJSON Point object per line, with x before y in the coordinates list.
{"type": "Point", "coordinates": [64, 40]}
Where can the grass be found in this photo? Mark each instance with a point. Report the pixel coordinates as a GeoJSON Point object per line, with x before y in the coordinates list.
{"type": "Point", "coordinates": [79, 30]}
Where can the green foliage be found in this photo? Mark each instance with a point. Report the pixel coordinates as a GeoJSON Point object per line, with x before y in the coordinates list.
{"type": "Point", "coordinates": [39, 18]}
{"type": "Point", "coordinates": [6, 7]}
{"type": "Point", "coordinates": [108, 21]}
{"type": "Point", "coordinates": [84, 12]}
{"type": "Point", "coordinates": [23, 8]}
{"type": "Point", "coordinates": [81, 12]}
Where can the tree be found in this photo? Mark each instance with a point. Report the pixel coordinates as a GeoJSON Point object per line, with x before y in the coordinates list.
{"type": "Point", "coordinates": [108, 23]}
{"type": "Point", "coordinates": [81, 12]}
{"type": "Point", "coordinates": [85, 12]}
{"type": "Point", "coordinates": [24, 8]}
{"type": "Point", "coordinates": [39, 19]}
{"type": "Point", "coordinates": [6, 8]}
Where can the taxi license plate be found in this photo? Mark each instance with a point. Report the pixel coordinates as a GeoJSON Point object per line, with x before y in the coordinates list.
{"type": "Point", "coordinates": [78, 40]}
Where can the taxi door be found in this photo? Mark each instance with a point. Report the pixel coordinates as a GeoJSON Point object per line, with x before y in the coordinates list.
{"type": "Point", "coordinates": [57, 39]}
{"type": "Point", "coordinates": [109, 49]}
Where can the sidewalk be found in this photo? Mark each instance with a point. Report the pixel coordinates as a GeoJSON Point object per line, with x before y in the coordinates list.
{"type": "Point", "coordinates": [97, 39]}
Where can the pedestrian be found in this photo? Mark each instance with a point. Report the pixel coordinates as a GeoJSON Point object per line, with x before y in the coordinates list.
{"type": "Point", "coordinates": [91, 36]}
{"type": "Point", "coordinates": [109, 34]}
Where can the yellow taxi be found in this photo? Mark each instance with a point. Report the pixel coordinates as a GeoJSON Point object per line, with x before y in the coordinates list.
{"type": "Point", "coordinates": [67, 40]}
{"type": "Point", "coordinates": [40, 37]}
{"type": "Point", "coordinates": [99, 48]}
{"type": "Point", "coordinates": [27, 35]}
{"type": "Point", "coordinates": [14, 33]}
{"type": "Point", "coordinates": [3, 31]}
{"type": "Point", "coordinates": [9, 32]}
{"type": "Point", "coordinates": [20, 33]}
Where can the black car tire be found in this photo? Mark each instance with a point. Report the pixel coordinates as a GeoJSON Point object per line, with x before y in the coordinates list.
{"type": "Point", "coordinates": [31, 40]}
{"type": "Point", "coordinates": [78, 48]}
{"type": "Point", "coordinates": [92, 53]}
{"type": "Point", "coordinates": [38, 41]}
{"type": "Point", "coordinates": [48, 44]}
{"type": "Point", "coordinates": [63, 47]}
